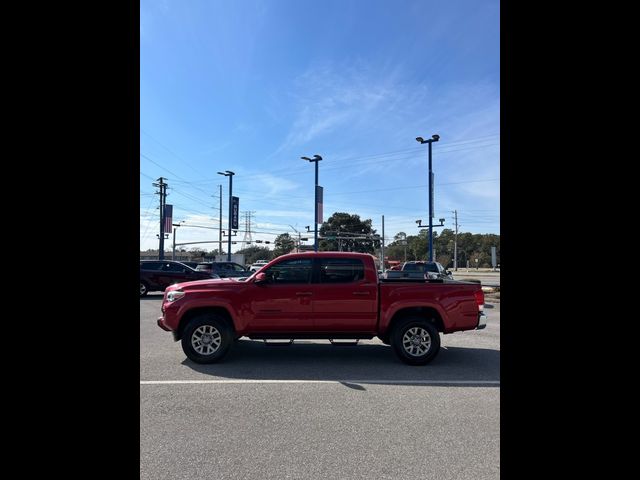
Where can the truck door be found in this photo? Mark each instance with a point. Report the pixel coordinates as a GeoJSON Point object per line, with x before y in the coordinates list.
{"type": "Point", "coordinates": [283, 302]}
{"type": "Point", "coordinates": [343, 300]}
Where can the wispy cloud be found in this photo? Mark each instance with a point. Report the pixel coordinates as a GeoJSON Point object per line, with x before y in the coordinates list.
{"type": "Point", "coordinates": [294, 214]}
{"type": "Point", "coordinates": [270, 185]}
{"type": "Point", "coordinates": [331, 98]}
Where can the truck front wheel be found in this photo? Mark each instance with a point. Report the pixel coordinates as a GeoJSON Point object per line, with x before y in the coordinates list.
{"type": "Point", "coordinates": [415, 341]}
{"type": "Point", "coordinates": [206, 339]}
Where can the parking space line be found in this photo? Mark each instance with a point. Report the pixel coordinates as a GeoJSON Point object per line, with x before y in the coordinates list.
{"type": "Point", "coordinates": [383, 382]}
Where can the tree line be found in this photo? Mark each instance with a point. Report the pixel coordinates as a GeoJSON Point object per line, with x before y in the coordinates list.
{"type": "Point", "coordinates": [349, 233]}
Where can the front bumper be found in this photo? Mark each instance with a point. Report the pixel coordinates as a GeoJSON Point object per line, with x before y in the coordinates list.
{"type": "Point", "coordinates": [162, 325]}
{"type": "Point", "coordinates": [482, 321]}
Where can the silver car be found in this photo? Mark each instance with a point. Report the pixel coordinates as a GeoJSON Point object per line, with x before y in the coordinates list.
{"type": "Point", "coordinates": [258, 265]}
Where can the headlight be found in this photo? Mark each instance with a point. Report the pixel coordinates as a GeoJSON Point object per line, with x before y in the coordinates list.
{"type": "Point", "coordinates": [174, 295]}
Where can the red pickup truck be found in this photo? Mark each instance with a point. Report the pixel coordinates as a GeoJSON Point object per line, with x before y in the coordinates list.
{"type": "Point", "coordinates": [327, 295]}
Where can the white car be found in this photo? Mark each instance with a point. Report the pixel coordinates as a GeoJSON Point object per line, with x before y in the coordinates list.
{"type": "Point", "coordinates": [258, 265]}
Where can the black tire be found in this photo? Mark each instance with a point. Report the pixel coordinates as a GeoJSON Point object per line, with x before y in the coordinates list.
{"type": "Point", "coordinates": [419, 330]}
{"type": "Point", "coordinates": [207, 338]}
{"type": "Point", "coordinates": [144, 289]}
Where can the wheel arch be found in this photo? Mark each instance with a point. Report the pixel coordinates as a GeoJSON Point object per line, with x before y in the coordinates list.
{"type": "Point", "coordinates": [428, 313]}
{"type": "Point", "coordinates": [195, 312]}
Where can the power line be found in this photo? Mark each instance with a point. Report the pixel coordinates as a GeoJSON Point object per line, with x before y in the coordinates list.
{"type": "Point", "coordinates": [171, 152]}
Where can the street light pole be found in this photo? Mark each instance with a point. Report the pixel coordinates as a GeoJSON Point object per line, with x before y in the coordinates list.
{"type": "Point", "coordinates": [434, 138]}
{"type": "Point", "coordinates": [315, 159]}
{"type": "Point", "coordinates": [176, 225]}
{"type": "Point", "coordinates": [230, 174]}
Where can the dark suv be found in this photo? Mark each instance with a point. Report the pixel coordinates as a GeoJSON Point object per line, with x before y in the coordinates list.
{"type": "Point", "coordinates": [224, 269]}
{"type": "Point", "coordinates": [158, 275]}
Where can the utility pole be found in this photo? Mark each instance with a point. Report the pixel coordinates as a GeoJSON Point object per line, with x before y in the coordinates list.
{"type": "Point", "coordinates": [404, 242]}
{"type": "Point", "coordinates": [455, 243]}
{"type": "Point", "coordinates": [163, 200]}
{"type": "Point", "coordinates": [299, 238]}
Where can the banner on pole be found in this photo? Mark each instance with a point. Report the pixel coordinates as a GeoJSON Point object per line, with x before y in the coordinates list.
{"type": "Point", "coordinates": [235, 213]}
{"type": "Point", "coordinates": [319, 192]}
{"type": "Point", "coordinates": [168, 218]}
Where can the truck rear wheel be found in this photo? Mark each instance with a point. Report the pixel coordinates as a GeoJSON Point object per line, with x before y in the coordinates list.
{"type": "Point", "coordinates": [415, 341]}
{"type": "Point", "coordinates": [207, 338]}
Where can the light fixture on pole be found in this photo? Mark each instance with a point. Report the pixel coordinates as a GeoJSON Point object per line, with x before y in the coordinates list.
{"type": "Point", "coordinates": [430, 227]}
{"type": "Point", "coordinates": [315, 159]}
{"type": "Point", "coordinates": [230, 174]}
{"type": "Point", "coordinates": [434, 138]}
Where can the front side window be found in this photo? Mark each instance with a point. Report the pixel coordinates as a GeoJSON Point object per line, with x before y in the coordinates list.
{"type": "Point", "coordinates": [151, 266]}
{"type": "Point", "coordinates": [341, 270]}
{"type": "Point", "coordinates": [290, 271]}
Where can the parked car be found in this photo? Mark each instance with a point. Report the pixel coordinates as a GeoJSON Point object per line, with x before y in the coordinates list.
{"type": "Point", "coordinates": [419, 269]}
{"type": "Point", "coordinates": [157, 275]}
{"type": "Point", "coordinates": [257, 265]}
{"type": "Point", "coordinates": [223, 269]}
{"type": "Point", "coordinates": [328, 295]}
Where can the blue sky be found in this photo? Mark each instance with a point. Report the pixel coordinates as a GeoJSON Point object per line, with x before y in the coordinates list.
{"type": "Point", "coordinates": [253, 85]}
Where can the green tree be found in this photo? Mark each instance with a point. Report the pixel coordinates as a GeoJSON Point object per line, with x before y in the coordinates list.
{"type": "Point", "coordinates": [196, 254]}
{"type": "Point", "coordinates": [417, 245]}
{"type": "Point", "coordinates": [284, 244]}
{"type": "Point", "coordinates": [253, 253]}
{"type": "Point", "coordinates": [348, 233]}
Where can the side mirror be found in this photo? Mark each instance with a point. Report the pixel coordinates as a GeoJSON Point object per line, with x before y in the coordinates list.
{"type": "Point", "coordinates": [260, 278]}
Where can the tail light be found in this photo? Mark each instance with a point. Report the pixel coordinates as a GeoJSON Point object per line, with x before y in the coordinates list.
{"type": "Point", "coordinates": [479, 295]}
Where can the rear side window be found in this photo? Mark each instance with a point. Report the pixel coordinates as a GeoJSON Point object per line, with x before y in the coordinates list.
{"type": "Point", "coordinates": [151, 266]}
{"type": "Point", "coordinates": [414, 267]}
{"type": "Point", "coordinates": [341, 270]}
{"type": "Point", "coordinates": [173, 267]}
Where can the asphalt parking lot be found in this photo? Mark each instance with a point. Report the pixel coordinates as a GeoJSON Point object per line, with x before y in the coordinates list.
{"type": "Point", "coordinates": [312, 410]}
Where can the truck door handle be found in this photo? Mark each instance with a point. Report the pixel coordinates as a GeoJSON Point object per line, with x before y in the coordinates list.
{"type": "Point", "coordinates": [361, 293]}
{"type": "Point", "coordinates": [303, 294]}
